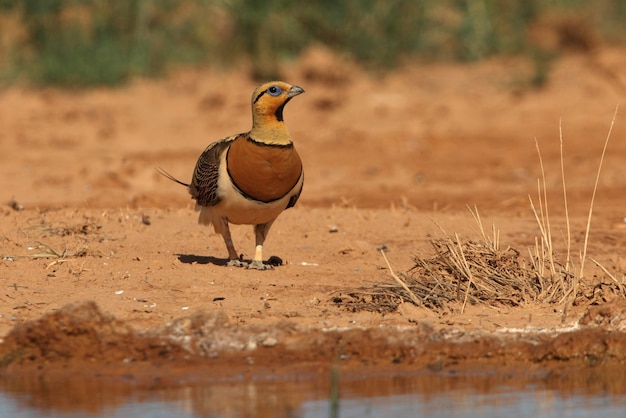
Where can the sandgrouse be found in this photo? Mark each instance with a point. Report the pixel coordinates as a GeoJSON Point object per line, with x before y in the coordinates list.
{"type": "Point", "coordinates": [250, 178]}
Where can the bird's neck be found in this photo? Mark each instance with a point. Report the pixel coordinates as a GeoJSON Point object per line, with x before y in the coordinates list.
{"type": "Point", "coordinates": [270, 131]}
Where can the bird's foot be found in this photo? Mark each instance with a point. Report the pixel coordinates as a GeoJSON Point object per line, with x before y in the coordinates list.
{"type": "Point", "coordinates": [259, 265]}
{"type": "Point", "coordinates": [235, 262]}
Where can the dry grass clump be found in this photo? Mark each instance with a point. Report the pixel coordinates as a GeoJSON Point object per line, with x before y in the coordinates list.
{"type": "Point", "coordinates": [473, 272]}
{"type": "Point", "coordinates": [49, 250]}
{"type": "Point", "coordinates": [461, 272]}
{"type": "Point", "coordinates": [480, 272]}
{"type": "Point", "coordinates": [457, 273]}
{"type": "Point", "coordinates": [84, 228]}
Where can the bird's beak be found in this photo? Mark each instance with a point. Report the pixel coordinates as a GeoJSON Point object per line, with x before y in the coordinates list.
{"type": "Point", "coordinates": [294, 91]}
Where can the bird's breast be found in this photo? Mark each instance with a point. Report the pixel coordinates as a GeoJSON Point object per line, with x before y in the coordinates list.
{"type": "Point", "coordinates": [263, 172]}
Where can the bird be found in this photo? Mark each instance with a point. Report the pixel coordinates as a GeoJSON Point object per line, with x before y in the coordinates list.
{"type": "Point", "coordinates": [252, 177]}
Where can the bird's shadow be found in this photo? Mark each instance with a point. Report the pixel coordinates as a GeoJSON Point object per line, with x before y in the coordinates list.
{"type": "Point", "coordinates": [274, 261]}
{"type": "Point", "coordinates": [201, 259]}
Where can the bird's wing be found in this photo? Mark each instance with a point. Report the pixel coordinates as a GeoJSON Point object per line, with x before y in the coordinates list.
{"type": "Point", "coordinates": [203, 185]}
{"type": "Point", "coordinates": [295, 197]}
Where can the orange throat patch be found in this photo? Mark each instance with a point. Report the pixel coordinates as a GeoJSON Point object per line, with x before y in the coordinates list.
{"type": "Point", "coordinates": [263, 172]}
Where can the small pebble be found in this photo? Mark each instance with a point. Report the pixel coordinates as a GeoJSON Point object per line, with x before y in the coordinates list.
{"type": "Point", "coordinates": [13, 204]}
{"type": "Point", "coordinates": [269, 342]}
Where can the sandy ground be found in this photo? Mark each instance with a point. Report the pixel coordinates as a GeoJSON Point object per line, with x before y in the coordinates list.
{"type": "Point", "coordinates": [390, 160]}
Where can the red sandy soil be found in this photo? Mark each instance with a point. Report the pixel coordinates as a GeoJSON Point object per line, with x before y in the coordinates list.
{"type": "Point", "coordinates": [390, 159]}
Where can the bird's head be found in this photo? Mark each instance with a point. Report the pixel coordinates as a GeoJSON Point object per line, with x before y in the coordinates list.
{"type": "Point", "coordinates": [268, 102]}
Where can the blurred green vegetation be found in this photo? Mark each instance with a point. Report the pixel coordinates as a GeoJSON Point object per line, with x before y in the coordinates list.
{"type": "Point", "coordinates": [107, 42]}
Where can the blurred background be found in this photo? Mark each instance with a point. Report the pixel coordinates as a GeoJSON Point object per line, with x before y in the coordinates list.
{"type": "Point", "coordinates": [104, 42]}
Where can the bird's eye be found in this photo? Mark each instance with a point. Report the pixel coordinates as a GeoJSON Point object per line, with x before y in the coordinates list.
{"type": "Point", "coordinates": [274, 90]}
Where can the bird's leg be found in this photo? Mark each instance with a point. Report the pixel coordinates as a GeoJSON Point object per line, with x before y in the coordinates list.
{"type": "Point", "coordinates": [233, 259]}
{"type": "Point", "coordinates": [260, 232]}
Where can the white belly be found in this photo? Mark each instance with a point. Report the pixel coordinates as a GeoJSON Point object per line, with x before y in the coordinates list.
{"type": "Point", "coordinates": [239, 210]}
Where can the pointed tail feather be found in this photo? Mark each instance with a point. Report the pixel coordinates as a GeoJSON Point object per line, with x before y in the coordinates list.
{"type": "Point", "coordinates": [169, 176]}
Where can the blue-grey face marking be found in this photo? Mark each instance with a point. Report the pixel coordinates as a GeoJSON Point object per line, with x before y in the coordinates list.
{"type": "Point", "coordinates": [274, 91]}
